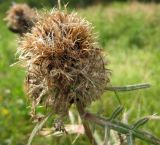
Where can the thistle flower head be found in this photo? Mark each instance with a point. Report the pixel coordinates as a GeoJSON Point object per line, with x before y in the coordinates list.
{"type": "Point", "coordinates": [62, 61]}
{"type": "Point", "coordinates": [20, 18]}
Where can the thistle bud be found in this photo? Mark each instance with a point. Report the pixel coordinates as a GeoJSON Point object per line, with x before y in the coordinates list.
{"type": "Point", "coordinates": [20, 18]}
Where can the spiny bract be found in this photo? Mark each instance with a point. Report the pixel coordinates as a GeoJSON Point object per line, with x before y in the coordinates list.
{"type": "Point", "coordinates": [62, 61]}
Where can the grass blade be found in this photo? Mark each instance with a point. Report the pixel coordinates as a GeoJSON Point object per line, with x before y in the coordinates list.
{"type": "Point", "coordinates": [36, 129]}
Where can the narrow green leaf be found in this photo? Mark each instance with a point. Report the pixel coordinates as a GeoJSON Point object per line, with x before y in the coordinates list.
{"type": "Point", "coordinates": [117, 111]}
{"type": "Point", "coordinates": [140, 122]}
{"type": "Point", "coordinates": [36, 129]}
{"type": "Point", "coordinates": [117, 97]}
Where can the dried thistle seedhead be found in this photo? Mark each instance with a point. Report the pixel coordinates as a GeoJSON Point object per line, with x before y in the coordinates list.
{"type": "Point", "coordinates": [20, 18]}
{"type": "Point", "coordinates": [63, 63]}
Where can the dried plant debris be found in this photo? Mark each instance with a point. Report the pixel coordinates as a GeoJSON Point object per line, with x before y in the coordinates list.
{"type": "Point", "coordinates": [63, 62]}
{"type": "Point", "coordinates": [20, 18]}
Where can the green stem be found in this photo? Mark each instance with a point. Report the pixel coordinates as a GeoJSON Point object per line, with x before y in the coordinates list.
{"type": "Point", "coordinates": [122, 128]}
{"type": "Point", "coordinates": [130, 139]}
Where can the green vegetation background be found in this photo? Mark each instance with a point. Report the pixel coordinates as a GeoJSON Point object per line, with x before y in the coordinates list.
{"type": "Point", "coordinates": [130, 36]}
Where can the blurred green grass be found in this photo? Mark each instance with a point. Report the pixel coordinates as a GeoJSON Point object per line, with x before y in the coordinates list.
{"type": "Point", "coordinates": [129, 34]}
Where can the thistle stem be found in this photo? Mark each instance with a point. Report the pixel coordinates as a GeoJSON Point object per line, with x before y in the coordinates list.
{"type": "Point", "coordinates": [88, 131]}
